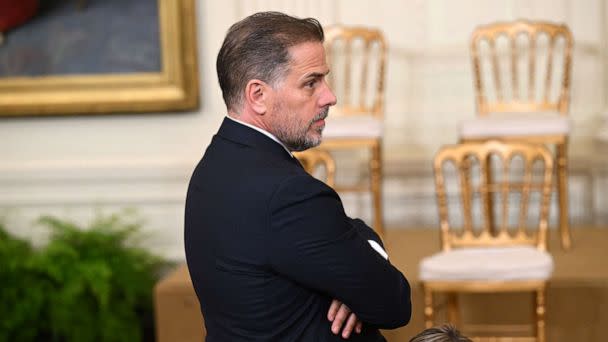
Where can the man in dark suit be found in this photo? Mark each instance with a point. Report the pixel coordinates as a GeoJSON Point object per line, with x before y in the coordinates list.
{"type": "Point", "coordinates": [271, 253]}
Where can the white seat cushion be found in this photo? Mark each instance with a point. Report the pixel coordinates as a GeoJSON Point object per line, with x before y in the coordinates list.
{"type": "Point", "coordinates": [496, 263]}
{"type": "Point", "coordinates": [354, 126]}
{"type": "Point", "coordinates": [515, 124]}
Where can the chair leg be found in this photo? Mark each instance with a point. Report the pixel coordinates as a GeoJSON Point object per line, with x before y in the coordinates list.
{"type": "Point", "coordinates": [453, 313]}
{"type": "Point", "coordinates": [562, 194]}
{"type": "Point", "coordinates": [490, 200]}
{"type": "Point", "coordinates": [540, 315]}
{"type": "Point", "coordinates": [376, 187]}
{"type": "Point", "coordinates": [428, 308]}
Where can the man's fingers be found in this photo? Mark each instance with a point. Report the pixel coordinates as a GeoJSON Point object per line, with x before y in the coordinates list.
{"type": "Point", "coordinates": [350, 325]}
{"type": "Point", "coordinates": [340, 318]}
{"type": "Point", "coordinates": [343, 319]}
{"type": "Point", "coordinates": [333, 310]}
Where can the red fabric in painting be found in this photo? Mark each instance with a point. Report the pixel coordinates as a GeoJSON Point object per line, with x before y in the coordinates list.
{"type": "Point", "coordinates": [16, 12]}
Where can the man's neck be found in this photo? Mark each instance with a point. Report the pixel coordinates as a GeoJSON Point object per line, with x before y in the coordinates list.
{"type": "Point", "coordinates": [259, 129]}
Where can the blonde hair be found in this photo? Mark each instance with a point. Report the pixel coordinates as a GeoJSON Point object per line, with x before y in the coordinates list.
{"type": "Point", "coordinates": [444, 333]}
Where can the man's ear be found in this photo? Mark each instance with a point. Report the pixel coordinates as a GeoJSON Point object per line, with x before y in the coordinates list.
{"type": "Point", "coordinates": [257, 96]}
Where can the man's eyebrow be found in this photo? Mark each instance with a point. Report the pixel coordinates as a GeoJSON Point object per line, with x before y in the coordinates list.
{"type": "Point", "coordinates": [316, 75]}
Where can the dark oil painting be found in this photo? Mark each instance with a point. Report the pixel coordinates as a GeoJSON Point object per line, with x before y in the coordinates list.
{"type": "Point", "coordinates": [82, 37]}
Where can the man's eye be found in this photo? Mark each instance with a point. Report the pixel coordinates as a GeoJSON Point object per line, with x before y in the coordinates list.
{"type": "Point", "coordinates": [311, 84]}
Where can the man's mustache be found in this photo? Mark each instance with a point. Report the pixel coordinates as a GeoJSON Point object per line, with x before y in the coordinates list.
{"type": "Point", "coordinates": [322, 115]}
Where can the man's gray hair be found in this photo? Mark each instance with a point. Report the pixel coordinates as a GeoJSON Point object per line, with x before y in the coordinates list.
{"type": "Point", "coordinates": [257, 48]}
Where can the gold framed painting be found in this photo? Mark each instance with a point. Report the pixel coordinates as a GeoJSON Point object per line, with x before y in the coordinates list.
{"type": "Point", "coordinates": [100, 56]}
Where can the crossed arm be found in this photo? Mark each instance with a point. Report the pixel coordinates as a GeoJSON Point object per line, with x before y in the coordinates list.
{"type": "Point", "coordinates": [318, 246]}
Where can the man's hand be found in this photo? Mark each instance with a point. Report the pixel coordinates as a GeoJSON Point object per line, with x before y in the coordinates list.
{"type": "Point", "coordinates": [338, 314]}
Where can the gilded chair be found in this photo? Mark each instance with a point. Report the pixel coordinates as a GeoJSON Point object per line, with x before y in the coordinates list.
{"type": "Point", "coordinates": [476, 259]}
{"type": "Point", "coordinates": [318, 163]}
{"type": "Point", "coordinates": [521, 75]}
{"type": "Point", "coordinates": [357, 58]}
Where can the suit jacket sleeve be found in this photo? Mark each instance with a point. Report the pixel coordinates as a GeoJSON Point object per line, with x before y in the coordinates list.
{"type": "Point", "coordinates": [365, 231]}
{"type": "Point", "coordinates": [315, 244]}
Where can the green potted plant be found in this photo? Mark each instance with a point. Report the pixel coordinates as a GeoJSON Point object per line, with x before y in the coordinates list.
{"type": "Point", "coordinates": [93, 283]}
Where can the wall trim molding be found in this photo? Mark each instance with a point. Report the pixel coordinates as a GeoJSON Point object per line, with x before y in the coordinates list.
{"type": "Point", "coordinates": [107, 182]}
{"type": "Point", "coordinates": [461, 51]}
{"type": "Point", "coordinates": [407, 182]}
{"type": "Point", "coordinates": [157, 188]}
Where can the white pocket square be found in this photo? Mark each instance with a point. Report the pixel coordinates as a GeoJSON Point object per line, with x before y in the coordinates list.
{"type": "Point", "coordinates": [376, 246]}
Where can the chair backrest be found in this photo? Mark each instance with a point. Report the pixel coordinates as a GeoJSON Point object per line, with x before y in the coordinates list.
{"type": "Point", "coordinates": [522, 66]}
{"type": "Point", "coordinates": [357, 60]}
{"type": "Point", "coordinates": [318, 163]}
{"type": "Point", "coordinates": [520, 189]}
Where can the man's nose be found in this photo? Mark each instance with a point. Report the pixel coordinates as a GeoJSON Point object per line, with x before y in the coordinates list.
{"type": "Point", "coordinates": [328, 98]}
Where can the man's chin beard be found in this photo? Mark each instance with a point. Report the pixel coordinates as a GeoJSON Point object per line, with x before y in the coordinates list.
{"type": "Point", "coordinates": [304, 144]}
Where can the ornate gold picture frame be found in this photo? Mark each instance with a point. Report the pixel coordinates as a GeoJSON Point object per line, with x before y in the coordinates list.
{"type": "Point", "coordinates": [175, 87]}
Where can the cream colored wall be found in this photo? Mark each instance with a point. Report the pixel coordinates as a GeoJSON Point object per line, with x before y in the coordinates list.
{"type": "Point", "coordinates": [603, 130]}
{"type": "Point", "coordinates": [71, 165]}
